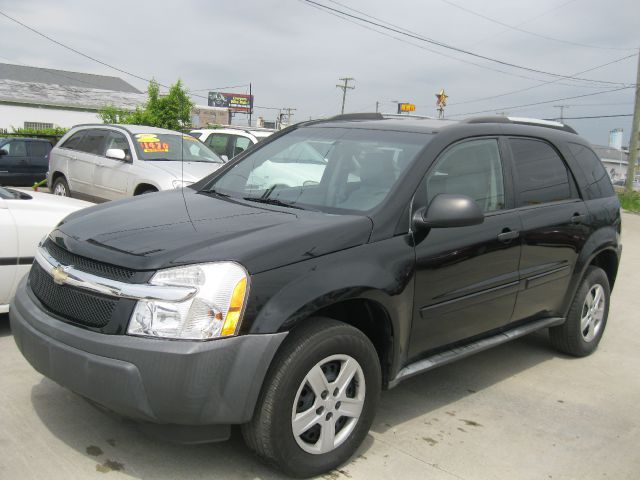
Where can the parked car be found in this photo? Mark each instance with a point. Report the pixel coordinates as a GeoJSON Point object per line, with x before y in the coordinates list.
{"type": "Point", "coordinates": [286, 309]}
{"type": "Point", "coordinates": [25, 217]}
{"type": "Point", "coordinates": [109, 162]}
{"type": "Point", "coordinates": [23, 161]}
{"type": "Point", "coordinates": [231, 141]}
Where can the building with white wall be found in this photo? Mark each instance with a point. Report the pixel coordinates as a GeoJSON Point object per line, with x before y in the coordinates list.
{"type": "Point", "coordinates": [42, 97]}
{"type": "Point", "coordinates": [615, 161]}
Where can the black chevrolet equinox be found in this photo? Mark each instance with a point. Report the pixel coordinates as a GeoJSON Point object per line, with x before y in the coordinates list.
{"type": "Point", "coordinates": [337, 258]}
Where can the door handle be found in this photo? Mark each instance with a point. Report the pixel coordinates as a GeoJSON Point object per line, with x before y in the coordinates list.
{"type": "Point", "coordinates": [577, 218]}
{"type": "Point", "coordinates": [507, 235]}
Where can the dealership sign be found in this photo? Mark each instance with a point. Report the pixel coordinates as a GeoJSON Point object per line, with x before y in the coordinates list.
{"type": "Point", "coordinates": [236, 102]}
{"type": "Point", "coordinates": [406, 107]}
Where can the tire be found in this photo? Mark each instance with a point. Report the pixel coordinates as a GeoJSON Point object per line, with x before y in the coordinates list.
{"type": "Point", "coordinates": [61, 187]}
{"type": "Point", "coordinates": [326, 347]}
{"type": "Point", "coordinates": [582, 331]}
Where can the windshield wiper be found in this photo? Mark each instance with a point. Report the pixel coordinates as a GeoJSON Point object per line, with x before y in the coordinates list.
{"type": "Point", "coordinates": [273, 201]}
{"type": "Point", "coordinates": [216, 192]}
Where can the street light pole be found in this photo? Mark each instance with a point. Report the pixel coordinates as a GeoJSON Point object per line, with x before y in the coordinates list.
{"type": "Point", "coordinates": [635, 131]}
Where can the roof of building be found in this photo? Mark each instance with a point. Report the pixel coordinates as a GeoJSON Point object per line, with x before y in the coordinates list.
{"type": "Point", "coordinates": [57, 88]}
{"type": "Point", "coordinates": [608, 153]}
{"type": "Point", "coordinates": [50, 76]}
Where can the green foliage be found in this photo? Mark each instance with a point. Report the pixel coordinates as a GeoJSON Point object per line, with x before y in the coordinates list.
{"type": "Point", "coordinates": [172, 111]}
{"type": "Point", "coordinates": [630, 201]}
{"type": "Point", "coordinates": [29, 132]}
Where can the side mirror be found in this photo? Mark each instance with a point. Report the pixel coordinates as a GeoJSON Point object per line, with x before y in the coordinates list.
{"type": "Point", "coordinates": [116, 153]}
{"type": "Point", "coordinates": [448, 210]}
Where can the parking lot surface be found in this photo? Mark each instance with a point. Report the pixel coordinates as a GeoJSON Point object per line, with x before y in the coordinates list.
{"type": "Point", "coordinates": [519, 411]}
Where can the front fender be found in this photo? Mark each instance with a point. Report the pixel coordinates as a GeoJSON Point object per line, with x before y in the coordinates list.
{"type": "Point", "coordinates": [382, 272]}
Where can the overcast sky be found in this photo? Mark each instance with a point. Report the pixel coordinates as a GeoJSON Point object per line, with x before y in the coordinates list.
{"type": "Point", "coordinates": [293, 54]}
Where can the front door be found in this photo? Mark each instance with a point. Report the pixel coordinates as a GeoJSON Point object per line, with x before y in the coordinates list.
{"type": "Point", "coordinates": [111, 176]}
{"type": "Point", "coordinates": [466, 277]}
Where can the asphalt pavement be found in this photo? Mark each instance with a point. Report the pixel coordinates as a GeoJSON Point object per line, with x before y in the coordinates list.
{"type": "Point", "coordinates": [519, 411]}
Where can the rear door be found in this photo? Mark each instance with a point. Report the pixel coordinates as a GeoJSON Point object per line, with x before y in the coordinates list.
{"type": "Point", "coordinates": [111, 176]}
{"type": "Point", "coordinates": [467, 277]}
{"type": "Point", "coordinates": [554, 226]}
{"type": "Point", "coordinates": [38, 159]}
{"type": "Point", "coordinates": [14, 164]}
{"type": "Point", "coordinates": [82, 168]}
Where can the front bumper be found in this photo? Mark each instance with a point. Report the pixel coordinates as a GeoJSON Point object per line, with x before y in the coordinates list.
{"type": "Point", "coordinates": [187, 383]}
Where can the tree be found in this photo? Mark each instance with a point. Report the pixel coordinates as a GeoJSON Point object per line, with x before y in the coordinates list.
{"type": "Point", "coordinates": [171, 111]}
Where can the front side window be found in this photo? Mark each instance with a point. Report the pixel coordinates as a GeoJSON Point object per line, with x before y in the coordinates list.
{"type": "Point", "coordinates": [471, 168]}
{"type": "Point", "coordinates": [218, 143]}
{"type": "Point", "coordinates": [241, 144]}
{"type": "Point", "coordinates": [598, 182]}
{"type": "Point", "coordinates": [323, 168]}
{"type": "Point", "coordinates": [542, 175]}
{"type": "Point", "coordinates": [119, 141]}
{"type": "Point", "coordinates": [93, 142]}
{"type": "Point", "coordinates": [172, 148]}
{"type": "Point", "coordinates": [15, 148]}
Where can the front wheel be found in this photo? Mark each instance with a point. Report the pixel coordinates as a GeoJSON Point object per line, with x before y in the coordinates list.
{"type": "Point", "coordinates": [318, 400]}
{"type": "Point", "coordinates": [61, 187]}
{"type": "Point", "coordinates": [581, 332]}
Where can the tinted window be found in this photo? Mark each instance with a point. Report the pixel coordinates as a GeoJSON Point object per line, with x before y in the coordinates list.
{"type": "Point", "coordinates": [93, 142]}
{"type": "Point", "coordinates": [218, 143]}
{"type": "Point", "coordinates": [242, 143]}
{"type": "Point", "coordinates": [471, 168]}
{"type": "Point", "coordinates": [39, 149]}
{"type": "Point", "coordinates": [195, 134]}
{"type": "Point", "coordinates": [119, 141]}
{"type": "Point", "coordinates": [73, 142]}
{"type": "Point", "coordinates": [16, 148]}
{"type": "Point", "coordinates": [598, 182]}
{"type": "Point", "coordinates": [542, 175]}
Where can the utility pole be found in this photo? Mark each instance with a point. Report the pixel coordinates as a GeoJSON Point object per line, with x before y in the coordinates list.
{"type": "Point", "coordinates": [635, 131]}
{"type": "Point", "coordinates": [289, 114]}
{"type": "Point", "coordinates": [344, 88]}
{"type": "Point", "coordinates": [377, 103]}
{"type": "Point", "coordinates": [561, 107]}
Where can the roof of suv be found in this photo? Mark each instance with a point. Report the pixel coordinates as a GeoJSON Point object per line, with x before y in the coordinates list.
{"type": "Point", "coordinates": [133, 129]}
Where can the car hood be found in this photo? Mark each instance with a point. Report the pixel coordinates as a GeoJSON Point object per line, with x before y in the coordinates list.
{"type": "Point", "coordinates": [178, 227]}
{"type": "Point", "coordinates": [189, 171]}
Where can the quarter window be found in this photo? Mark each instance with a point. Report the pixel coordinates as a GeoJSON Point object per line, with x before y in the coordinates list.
{"type": "Point", "coordinates": [598, 182]}
{"type": "Point", "coordinates": [242, 143]}
{"type": "Point", "coordinates": [471, 168]}
{"type": "Point", "coordinates": [542, 175]}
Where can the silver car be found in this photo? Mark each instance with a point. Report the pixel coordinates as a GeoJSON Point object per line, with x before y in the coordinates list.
{"type": "Point", "coordinates": [108, 162]}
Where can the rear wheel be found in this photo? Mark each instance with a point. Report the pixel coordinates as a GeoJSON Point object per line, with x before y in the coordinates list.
{"type": "Point", "coordinates": [318, 400]}
{"type": "Point", "coordinates": [582, 331]}
{"type": "Point", "coordinates": [61, 187]}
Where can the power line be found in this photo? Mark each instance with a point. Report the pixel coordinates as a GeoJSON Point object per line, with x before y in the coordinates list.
{"type": "Point", "coordinates": [548, 82]}
{"type": "Point", "coordinates": [594, 116]}
{"type": "Point", "coordinates": [216, 89]}
{"type": "Point", "coordinates": [522, 30]}
{"type": "Point", "coordinates": [451, 57]}
{"type": "Point", "coordinates": [541, 103]}
{"type": "Point", "coordinates": [457, 49]}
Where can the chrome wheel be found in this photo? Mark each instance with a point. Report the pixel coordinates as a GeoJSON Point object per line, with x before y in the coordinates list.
{"type": "Point", "coordinates": [592, 313]}
{"type": "Point", "coordinates": [60, 189]}
{"type": "Point", "coordinates": [328, 404]}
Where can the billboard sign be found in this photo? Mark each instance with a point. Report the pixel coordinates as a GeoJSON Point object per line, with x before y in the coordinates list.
{"type": "Point", "coordinates": [406, 107]}
{"type": "Point", "coordinates": [236, 102]}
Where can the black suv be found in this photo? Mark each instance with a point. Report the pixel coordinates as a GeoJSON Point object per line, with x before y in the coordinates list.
{"type": "Point", "coordinates": [333, 260]}
{"type": "Point", "coordinates": [23, 161]}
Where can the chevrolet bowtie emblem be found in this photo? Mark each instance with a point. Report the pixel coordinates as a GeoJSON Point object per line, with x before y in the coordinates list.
{"type": "Point", "coordinates": [59, 275]}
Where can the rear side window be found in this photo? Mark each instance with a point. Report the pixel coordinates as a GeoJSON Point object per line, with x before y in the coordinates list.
{"type": "Point", "coordinates": [39, 149]}
{"type": "Point", "coordinates": [598, 182]}
{"type": "Point", "coordinates": [542, 175]}
{"type": "Point", "coordinates": [73, 142]}
{"type": "Point", "coordinates": [93, 142]}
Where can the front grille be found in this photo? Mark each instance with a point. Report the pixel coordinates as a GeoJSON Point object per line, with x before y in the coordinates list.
{"type": "Point", "coordinates": [87, 265]}
{"type": "Point", "coordinates": [75, 305]}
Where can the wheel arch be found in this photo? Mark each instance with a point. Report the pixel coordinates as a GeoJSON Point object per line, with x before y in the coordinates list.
{"type": "Point", "coordinates": [143, 186]}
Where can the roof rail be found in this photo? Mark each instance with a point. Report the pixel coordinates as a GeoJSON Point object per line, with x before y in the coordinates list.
{"type": "Point", "coordinates": [358, 116]}
{"type": "Point", "coordinates": [407, 115]}
{"type": "Point", "coordinates": [522, 121]}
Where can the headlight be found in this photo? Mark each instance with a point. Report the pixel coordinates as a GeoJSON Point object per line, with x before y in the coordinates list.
{"type": "Point", "coordinates": [180, 183]}
{"type": "Point", "coordinates": [214, 311]}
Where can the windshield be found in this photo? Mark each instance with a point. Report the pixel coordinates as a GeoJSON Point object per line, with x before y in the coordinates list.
{"type": "Point", "coordinates": [173, 147]}
{"type": "Point", "coordinates": [323, 168]}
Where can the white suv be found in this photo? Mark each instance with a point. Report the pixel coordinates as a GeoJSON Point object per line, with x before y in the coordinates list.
{"type": "Point", "coordinates": [229, 142]}
{"type": "Point", "coordinates": [109, 162]}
